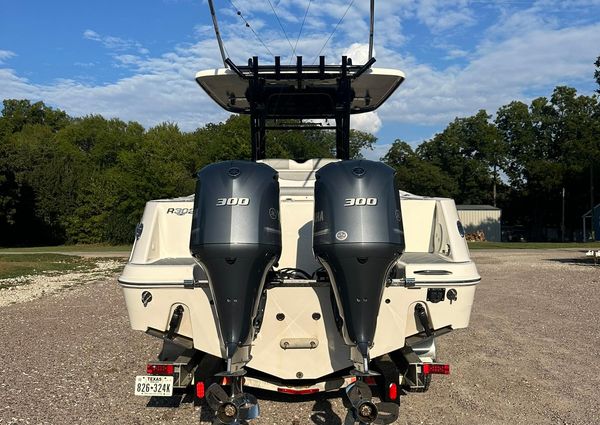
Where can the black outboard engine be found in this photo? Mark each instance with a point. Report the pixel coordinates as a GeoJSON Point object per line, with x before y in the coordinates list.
{"type": "Point", "coordinates": [357, 237]}
{"type": "Point", "coordinates": [236, 238]}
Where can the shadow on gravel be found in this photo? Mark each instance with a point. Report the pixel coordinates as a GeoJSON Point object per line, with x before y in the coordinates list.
{"type": "Point", "coordinates": [322, 411]}
{"type": "Point", "coordinates": [323, 414]}
{"type": "Point", "coordinates": [206, 415]}
{"type": "Point", "coordinates": [174, 401]}
{"type": "Point", "coordinates": [583, 261]}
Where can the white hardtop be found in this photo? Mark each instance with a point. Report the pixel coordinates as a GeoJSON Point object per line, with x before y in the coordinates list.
{"type": "Point", "coordinates": [371, 89]}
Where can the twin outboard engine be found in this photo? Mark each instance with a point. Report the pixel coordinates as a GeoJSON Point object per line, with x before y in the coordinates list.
{"type": "Point", "coordinates": [236, 238]}
{"type": "Point", "coordinates": [357, 237]}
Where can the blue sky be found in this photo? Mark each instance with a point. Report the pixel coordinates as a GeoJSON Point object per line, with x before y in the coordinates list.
{"type": "Point", "coordinates": [136, 59]}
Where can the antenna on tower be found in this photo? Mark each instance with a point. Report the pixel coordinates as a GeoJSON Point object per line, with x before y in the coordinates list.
{"type": "Point", "coordinates": [372, 26]}
{"type": "Point", "coordinates": [217, 33]}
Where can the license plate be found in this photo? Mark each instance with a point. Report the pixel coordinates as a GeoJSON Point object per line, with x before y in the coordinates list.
{"type": "Point", "coordinates": [160, 386]}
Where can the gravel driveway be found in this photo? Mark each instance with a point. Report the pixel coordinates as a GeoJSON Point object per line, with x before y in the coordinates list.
{"type": "Point", "coordinates": [529, 357]}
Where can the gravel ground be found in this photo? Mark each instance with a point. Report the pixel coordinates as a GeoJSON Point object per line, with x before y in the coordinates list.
{"type": "Point", "coordinates": [528, 357]}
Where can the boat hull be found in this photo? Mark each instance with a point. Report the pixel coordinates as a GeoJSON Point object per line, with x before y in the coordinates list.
{"type": "Point", "coordinates": [299, 311]}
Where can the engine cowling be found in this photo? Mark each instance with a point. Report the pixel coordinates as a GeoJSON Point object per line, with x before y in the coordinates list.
{"type": "Point", "coordinates": [357, 237]}
{"type": "Point", "coordinates": [236, 238]}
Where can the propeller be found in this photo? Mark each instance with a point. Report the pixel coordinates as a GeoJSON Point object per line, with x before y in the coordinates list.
{"type": "Point", "coordinates": [234, 410]}
{"type": "Point", "coordinates": [364, 411]}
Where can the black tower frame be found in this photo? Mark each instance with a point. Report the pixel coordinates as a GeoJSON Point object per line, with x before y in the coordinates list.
{"type": "Point", "coordinates": [271, 100]}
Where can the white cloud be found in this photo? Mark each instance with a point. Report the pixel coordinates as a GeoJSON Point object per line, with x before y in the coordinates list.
{"type": "Point", "coordinates": [162, 89]}
{"type": "Point", "coordinates": [536, 60]}
{"type": "Point", "coordinates": [456, 53]}
{"type": "Point", "coordinates": [521, 51]}
{"type": "Point", "coordinates": [85, 64]}
{"type": "Point", "coordinates": [369, 122]}
{"type": "Point", "coordinates": [115, 43]}
{"type": "Point", "coordinates": [6, 54]}
{"type": "Point", "coordinates": [442, 15]}
{"type": "Point", "coordinates": [203, 31]}
{"type": "Point", "coordinates": [92, 35]}
{"type": "Point", "coordinates": [359, 53]}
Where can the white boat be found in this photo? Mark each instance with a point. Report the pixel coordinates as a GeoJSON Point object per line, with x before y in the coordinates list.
{"type": "Point", "coordinates": [298, 276]}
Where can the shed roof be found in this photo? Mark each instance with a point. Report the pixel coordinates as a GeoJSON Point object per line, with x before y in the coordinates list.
{"type": "Point", "coordinates": [589, 213]}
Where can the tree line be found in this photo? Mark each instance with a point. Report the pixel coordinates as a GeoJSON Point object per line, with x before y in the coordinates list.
{"type": "Point", "coordinates": [86, 179]}
{"type": "Point", "coordinates": [523, 161]}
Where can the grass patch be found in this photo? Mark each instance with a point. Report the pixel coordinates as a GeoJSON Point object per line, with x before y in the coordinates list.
{"type": "Point", "coordinates": [15, 265]}
{"type": "Point", "coordinates": [71, 248]}
{"type": "Point", "coordinates": [533, 245]}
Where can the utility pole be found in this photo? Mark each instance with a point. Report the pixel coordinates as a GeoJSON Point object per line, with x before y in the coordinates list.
{"type": "Point", "coordinates": [593, 226]}
{"type": "Point", "coordinates": [562, 221]}
{"type": "Point", "coordinates": [495, 178]}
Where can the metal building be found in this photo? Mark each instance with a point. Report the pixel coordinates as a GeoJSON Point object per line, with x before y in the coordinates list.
{"type": "Point", "coordinates": [481, 217]}
{"type": "Point", "coordinates": [593, 224]}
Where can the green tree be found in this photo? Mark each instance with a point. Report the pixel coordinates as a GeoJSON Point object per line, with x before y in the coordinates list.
{"type": "Point", "coordinates": [231, 140]}
{"type": "Point", "coordinates": [87, 179]}
{"type": "Point", "coordinates": [18, 113]}
{"type": "Point", "coordinates": [468, 151]}
{"type": "Point", "coordinates": [416, 175]}
{"type": "Point", "coordinates": [30, 179]}
{"type": "Point", "coordinates": [518, 133]}
{"type": "Point", "coordinates": [551, 144]}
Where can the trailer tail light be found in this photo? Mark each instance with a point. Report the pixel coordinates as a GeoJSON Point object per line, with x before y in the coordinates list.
{"type": "Point", "coordinates": [393, 391]}
{"type": "Point", "coordinates": [298, 392]}
{"type": "Point", "coordinates": [431, 368]}
{"type": "Point", "coordinates": [160, 369]}
{"type": "Point", "coordinates": [200, 389]}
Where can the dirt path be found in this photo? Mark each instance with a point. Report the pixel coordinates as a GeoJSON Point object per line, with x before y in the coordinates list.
{"type": "Point", "coordinates": [86, 254]}
{"type": "Point", "coordinates": [29, 287]}
{"type": "Point", "coordinates": [529, 356]}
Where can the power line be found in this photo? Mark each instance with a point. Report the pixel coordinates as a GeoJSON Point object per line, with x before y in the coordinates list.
{"type": "Point", "coordinates": [281, 26]}
{"type": "Point", "coordinates": [301, 28]}
{"type": "Point", "coordinates": [239, 13]}
{"type": "Point", "coordinates": [334, 30]}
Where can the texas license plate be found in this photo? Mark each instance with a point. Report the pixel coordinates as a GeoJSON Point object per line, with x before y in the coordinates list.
{"type": "Point", "coordinates": [159, 386]}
